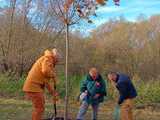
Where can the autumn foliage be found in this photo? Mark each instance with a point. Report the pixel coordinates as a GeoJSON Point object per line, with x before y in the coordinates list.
{"type": "Point", "coordinates": [100, 1]}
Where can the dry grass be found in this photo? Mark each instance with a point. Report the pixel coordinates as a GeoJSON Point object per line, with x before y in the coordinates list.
{"type": "Point", "coordinates": [11, 109]}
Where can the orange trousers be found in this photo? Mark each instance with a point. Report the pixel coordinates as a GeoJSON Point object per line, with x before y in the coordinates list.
{"type": "Point", "coordinates": [126, 110]}
{"type": "Point", "coordinates": [38, 102]}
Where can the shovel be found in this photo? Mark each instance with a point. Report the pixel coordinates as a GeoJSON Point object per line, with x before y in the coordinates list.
{"type": "Point", "coordinates": [54, 116]}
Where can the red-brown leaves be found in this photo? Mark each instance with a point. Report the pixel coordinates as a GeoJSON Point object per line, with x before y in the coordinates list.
{"type": "Point", "coordinates": [80, 13]}
{"type": "Point", "coordinates": [101, 2]}
{"type": "Point", "coordinates": [67, 5]}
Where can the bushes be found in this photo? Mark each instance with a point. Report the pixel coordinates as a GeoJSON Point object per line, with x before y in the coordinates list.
{"type": "Point", "coordinates": [9, 87]}
{"type": "Point", "coordinates": [74, 84]}
{"type": "Point", "coordinates": [148, 92]}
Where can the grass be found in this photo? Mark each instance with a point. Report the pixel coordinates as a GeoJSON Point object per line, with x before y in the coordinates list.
{"type": "Point", "coordinates": [148, 92]}
{"type": "Point", "coordinates": [11, 109]}
{"type": "Point", "coordinates": [14, 107]}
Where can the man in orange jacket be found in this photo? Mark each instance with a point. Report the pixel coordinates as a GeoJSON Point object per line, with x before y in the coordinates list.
{"type": "Point", "coordinates": [39, 77]}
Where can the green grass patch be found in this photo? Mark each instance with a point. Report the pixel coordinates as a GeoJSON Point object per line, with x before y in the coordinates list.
{"type": "Point", "coordinates": [11, 87]}
{"type": "Point", "coordinates": [148, 92]}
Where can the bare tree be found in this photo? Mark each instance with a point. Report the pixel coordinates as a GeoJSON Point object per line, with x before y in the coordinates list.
{"type": "Point", "coordinates": [70, 12]}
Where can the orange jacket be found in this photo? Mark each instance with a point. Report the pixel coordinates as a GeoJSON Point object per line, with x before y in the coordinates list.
{"type": "Point", "coordinates": [40, 74]}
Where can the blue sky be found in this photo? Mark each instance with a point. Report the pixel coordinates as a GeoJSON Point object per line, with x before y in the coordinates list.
{"type": "Point", "coordinates": [130, 9]}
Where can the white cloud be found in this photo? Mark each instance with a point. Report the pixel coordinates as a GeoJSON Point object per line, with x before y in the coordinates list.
{"type": "Point", "coordinates": [146, 2]}
{"type": "Point", "coordinates": [109, 9]}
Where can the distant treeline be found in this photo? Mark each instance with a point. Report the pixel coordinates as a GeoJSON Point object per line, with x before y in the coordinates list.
{"type": "Point", "coordinates": [118, 45]}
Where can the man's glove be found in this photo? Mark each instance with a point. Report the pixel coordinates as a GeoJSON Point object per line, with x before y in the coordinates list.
{"type": "Point", "coordinates": [96, 96]}
{"type": "Point", "coordinates": [55, 96]}
{"type": "Point", "coordinates": [83, 95]}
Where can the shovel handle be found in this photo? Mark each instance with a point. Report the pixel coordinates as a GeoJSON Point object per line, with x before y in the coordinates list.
{"type": "Point", "coordinates": [55, 110]}
{"type": "Point", "coordinates": [55, 106]}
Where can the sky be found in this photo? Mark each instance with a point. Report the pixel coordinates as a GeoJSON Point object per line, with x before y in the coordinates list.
{"type": "Point", "coordinates": [129, 9]}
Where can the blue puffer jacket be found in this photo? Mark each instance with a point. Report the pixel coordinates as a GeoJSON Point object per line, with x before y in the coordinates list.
{"type": "Point", "coordinates": [125, 88]}
{"type": "Point", "coordinates": [94, 87]}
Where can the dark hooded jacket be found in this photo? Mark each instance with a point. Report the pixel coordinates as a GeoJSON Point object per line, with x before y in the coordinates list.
{"type": "Point", "coordinates": [125, 87]}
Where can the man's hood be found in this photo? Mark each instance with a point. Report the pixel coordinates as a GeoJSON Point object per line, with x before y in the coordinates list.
{"type": "Point", "coordinates": [48, 53]}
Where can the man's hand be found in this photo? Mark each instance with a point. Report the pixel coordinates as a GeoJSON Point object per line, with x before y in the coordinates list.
{"type": "Point", "coordinates": [55, 96]}
{"type": "Point", "coordinates": [55, 99]}
{"type": "Point", "coordinates": [97, 96]}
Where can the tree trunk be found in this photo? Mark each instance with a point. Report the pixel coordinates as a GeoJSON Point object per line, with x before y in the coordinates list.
{"type": "Point", "coordinates": [66, 72]}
